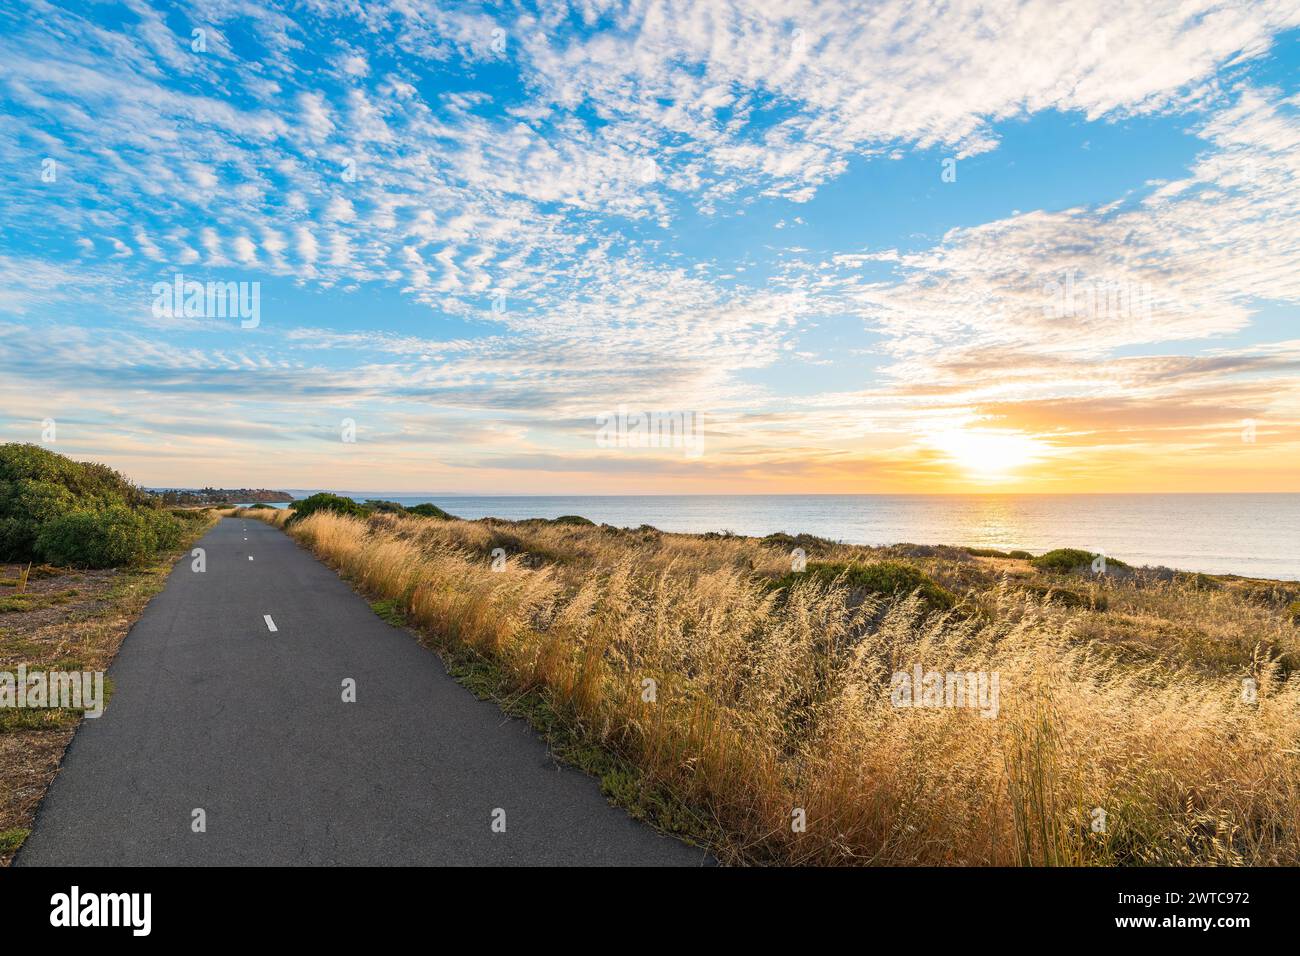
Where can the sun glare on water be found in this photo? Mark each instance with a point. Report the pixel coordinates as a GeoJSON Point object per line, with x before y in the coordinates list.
{"type": "Point", "coordinates": [988, 454]}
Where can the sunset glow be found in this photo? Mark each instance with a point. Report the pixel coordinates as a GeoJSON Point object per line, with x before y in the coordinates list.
{"type": "Point", "coordinates": [476, 233]}
{"type": "Point", "coordinates": [985, 455]}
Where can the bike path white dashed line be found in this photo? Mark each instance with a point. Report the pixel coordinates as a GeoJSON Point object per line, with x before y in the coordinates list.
{"type": "Point", "coordinates": [270, 624]}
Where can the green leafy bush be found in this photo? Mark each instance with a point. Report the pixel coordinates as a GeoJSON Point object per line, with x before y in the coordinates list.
{"type": "Point", "coordinates": [107, 537]}
{"type": "Point", "coordinates": [324, 501]}
{"type": "Point", "coordinates": [192, 515]}
{"type": "Point", "coordinates": [39, 487]}
{"type": "Point", "coordinates": [995, 553]}
{"type": "Point", "coordinates": [1067, 560]}
{"type": "Point", "coordinates": [810, 543]}
{"type": "Point", "coordinates": [427, 510]}
{"type": "Point", "coordinates": [574, 520]}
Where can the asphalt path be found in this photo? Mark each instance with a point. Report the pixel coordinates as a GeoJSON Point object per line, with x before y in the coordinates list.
{"type": "Point", "coordinates": [228, 699]}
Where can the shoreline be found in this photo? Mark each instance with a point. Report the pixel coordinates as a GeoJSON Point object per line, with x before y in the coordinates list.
{"type": "Point", "coordinates": [1214, 565]}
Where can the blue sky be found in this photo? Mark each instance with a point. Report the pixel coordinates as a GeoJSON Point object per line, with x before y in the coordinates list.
{"type": "Point", "coordinates": [475, 228]}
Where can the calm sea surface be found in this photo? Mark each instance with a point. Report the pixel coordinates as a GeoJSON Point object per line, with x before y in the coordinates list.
{"type": "Point", "coordinates": [1241, 534]}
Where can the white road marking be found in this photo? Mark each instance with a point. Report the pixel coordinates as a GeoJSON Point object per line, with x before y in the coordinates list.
{"type": "Point", "coordinates": [270, 624]}
{"type": "Point", "coordinates": [250, 557]}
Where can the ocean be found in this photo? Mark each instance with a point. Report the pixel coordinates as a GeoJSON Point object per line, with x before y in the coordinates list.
{"type": "Point", "coordinates": [1248, 534]}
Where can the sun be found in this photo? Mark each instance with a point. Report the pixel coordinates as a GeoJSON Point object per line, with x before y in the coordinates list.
{"type": "Point", "coordinates": [988, 454]}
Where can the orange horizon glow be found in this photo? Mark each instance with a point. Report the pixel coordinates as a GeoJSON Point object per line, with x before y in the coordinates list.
{"type": "Point", "coordinates": [950, 459]}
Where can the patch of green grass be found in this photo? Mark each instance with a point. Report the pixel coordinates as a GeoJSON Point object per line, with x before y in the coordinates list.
{"type": "Point", "coordinates": [887, 578]}
{"type": "Point", "coordinates": [27, 601]}
{"type": "Point", "coordinates": [11, 840]}
{"type": "Point", "coordinates": [390, 611]}
{"type": "Point", "coordinates": [51, 718]}
{"type": "Point", "coordinates": [38, 718]}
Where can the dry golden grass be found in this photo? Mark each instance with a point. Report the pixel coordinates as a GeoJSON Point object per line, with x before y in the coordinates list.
{"type": "Point", "coordinates": [770, 700]}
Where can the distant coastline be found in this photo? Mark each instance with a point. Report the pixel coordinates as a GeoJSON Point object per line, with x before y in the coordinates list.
{"type": "Point", "coordinates": [1212, 533]}
{"type": "Point", "coordinates": [220, 496]}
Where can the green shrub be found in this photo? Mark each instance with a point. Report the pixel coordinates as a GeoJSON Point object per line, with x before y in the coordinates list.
{"type": "Point", "coordinates": [995, 553]}
{"type": "Point", "coordinates": [1067, 560]}
{"type": "Point", "coordinates": [167, 531]}
{"type": "Point", "coordinates": [38, 486]}
{"type": "Point", "coordinates": [324, 501]}
{"type": "Point", "coordinates": [1293, 612]}
{"type": "Point", "coordinates": [810, 543]}
{"type": "Point", "coordinates": [888, 578]}
{"type": "Point", "coordinates": [106, 537]}
{"type": "Point", "coordinates": [574, 520]}
{"type": "Point", "coordinates": [427, 510]}
{"type": "Point", "coordinates": [193, 515]}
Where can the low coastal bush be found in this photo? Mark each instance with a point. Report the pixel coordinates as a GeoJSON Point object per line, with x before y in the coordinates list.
{"type": "Point", "coordinates": [810, 544]}
{"type": "Point", "coordinates": [577, 520]}
{"type": "Point", "coordinates": [995, 553]}
{"type": "Point", "coordinates": [191, 515]}
{"type": "Point", "coordinates": [67, 512]}
{"type": "Point", "coordinates": [986, 553]}
{"type": "Point", "coordinates": [107, 537]}
{"type": "Point", "coordinates": [324, 501]}
{"type": "Point", "coordinates": [428, 510]}
{"type": "Point", "coordinates": [340, 505]}
{"type": "Point", "coordinates": [1071, 560]}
